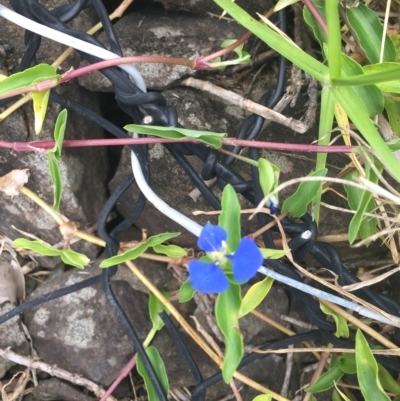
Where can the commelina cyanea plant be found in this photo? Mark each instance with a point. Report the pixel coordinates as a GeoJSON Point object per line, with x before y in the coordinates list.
{"type": "Point", "coordinates": [210, 277]}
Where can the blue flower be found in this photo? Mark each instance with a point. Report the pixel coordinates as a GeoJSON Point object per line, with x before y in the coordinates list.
{"type": "Point", "coordinates": [209, 277]}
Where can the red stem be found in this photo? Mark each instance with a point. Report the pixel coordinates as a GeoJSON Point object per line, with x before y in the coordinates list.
{"type": "Point", "coordinates": [124, 372]}
{"type": "Point", "coordinates": [127, 60]}
{"type": "Point", "coordinates": [77, 143]}
{"type": "Point", "coordinates": [225, 50]}
{"type": "Point", "coordinates": [310, 5]}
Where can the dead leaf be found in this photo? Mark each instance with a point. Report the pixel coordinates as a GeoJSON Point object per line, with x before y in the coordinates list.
{"type": "Point", "coordinates": [12, 182]}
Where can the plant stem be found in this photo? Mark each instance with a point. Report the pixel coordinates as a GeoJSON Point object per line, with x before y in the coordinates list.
{"type": "Point", "coordinates": [318, 17]}
{"type": "Point", "coordinates": [129, 60]}
{"type": "Point", "coordinates": [226, 50]}
{"type": "Point", "coordinates": [43, 146]}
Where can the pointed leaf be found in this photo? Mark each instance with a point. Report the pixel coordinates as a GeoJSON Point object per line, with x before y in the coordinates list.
{"type": "Point", "coordinates": [297, 204]}
{"type": "Point", "coordinates": [155, 307]}
{"type": "Point", "coordinates": [367, 371]}
{"type": "Point", "coordinates": [159, 368]}
{"type": "Point", "coordinates": [387, 381]}
{"type": "Point", "coordinates": [173, 251]}
{"type": "Point", "coordinates": [130, 254]}
{"type": "Point", "coordinates": [342, 329]}
{"type": "Point", "coordinates": [255, 296]}
{"type": "Point", "coordinates": [210, 138]}
{"type": "Point", "coordinates": [70, 257]}
{"type": "Point", "coordinates": [37, 246]}
{"type": "Point", "coordinates": [227, 309]}
{"type": "Point", "coordinates": [269, 176]}
{"type": "Point", "coordinates": [40, 102]}
{"type": "Point", "coordinates": [273, 253]}
{"type": "Point", "coordinates": [186, 292]}
{"type": "Point", "coordinates": [229, 219]}
{"type": "Point", "coordinates": [327, 379]}
{"type": "Point", "coordinates": [56, 178]}
{"type": "Point", "coordinates": [160, 238]}
{"type": "Point", "coordinates": [368, 30]}
{"type": "Point", "coordinates": [28, 77]}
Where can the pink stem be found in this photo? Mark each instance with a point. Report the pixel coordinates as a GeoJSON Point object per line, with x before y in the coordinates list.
{"type": "Point", "coordinates": [124, 372]}
{"type": "Point", "coordinates": [310, 5]}
{"type": "Point", "coordinates": [77, 143]}
{"type": "Point", "coordinates": [127, 60]}
{"type": "Point", "coordinates": [225, 50]}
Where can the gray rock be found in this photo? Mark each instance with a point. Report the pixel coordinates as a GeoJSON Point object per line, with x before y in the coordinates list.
{"type": "Point", "coordinates": [11, 335]}
{"type": "Point", "coordinates": [209, 7]}
{"type": "Point", "coordinates": [54, 389]}
{"type": "Point", "coordinates": [80, 332]}
{"type": "Point", "coordinates": [83, 170]}
{"type": "Point", "coordinates": [155, 32]}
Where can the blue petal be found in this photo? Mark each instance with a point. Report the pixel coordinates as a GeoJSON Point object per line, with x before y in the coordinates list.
{"type": "Point", "coordinates": [246, 260]}
{"type": "Point", "coordinates": [207, 277]}
{"type": "Point", "coordinates": [211, 238]}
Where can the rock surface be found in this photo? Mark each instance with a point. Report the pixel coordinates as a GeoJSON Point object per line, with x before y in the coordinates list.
{"type": "Point", "coordinates": [155, 32]}
{"type": "Point", "coordinates": [11, 335]}
{"type": "Point", "coordinates": [80, 332]}
{"type": "Point", "coordinates": [83, 171]}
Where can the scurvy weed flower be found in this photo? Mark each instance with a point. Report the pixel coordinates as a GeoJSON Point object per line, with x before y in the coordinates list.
{"type": "Point", "coordinates": [209, 277]}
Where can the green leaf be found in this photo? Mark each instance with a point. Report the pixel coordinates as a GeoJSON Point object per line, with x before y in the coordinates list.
{"type": "Point", "coordinates": [59, 132]}
{"type": "Point", "coordinates": [392, 108]}
{"type": "Point", "coordinates": [56, 178]}
{"type": "Point", "coordinates": [354, 197]}
{"type": "Point", "coordinates": [273, 253]}
{"type": "Point", "coordinates": [360, 118]}
{"type": "Point", "coordinates": [387, 381]}
{"type": "Point", "coordinates": [159, 368]}
{"type": "Point", "coordinates": [334, 39]}
{"type": "Point", "coordinates": [328, 379]}
{"type": "Point", "coordinates": [364, 204]}
{"type": "Point", "coordinates": [54, 157]}
{"type": "Point", "coordinates": [29, 77]}
{"type": "Point", "coordinates": [263, 397]}
{"type": "Point", "coordinates": [313, 24]}
{"type": "Point", "coordinates": [368, 30]}
{"type": "Point", "coordinates": [342, 329]}
{"type": "Point", "coordinates": [173, 251]}
{"type": "Point", "coordinates": [227, 309]}
{"type": "Point", "coordinates": [347, 363]}
{"type": "Point", "coordinates": [269, 176]}
{"type": "Point", "coordinates": [337, 397]}
{"type": "Point", "coordinates": [229, 219]}
{"type": "Point", "coordinates": [155, 307]}
{"type": "Point", "coordinates": [243, 56]}
{"type": "Point", "coordinates": [40, 101]}
{"type": "Point", "coordinates": [369, 95]}
{"type": "Point", "coordinates": [37, 246]}
{"type": "Point", "coordinates": [186, 292]}
{"type": "Point", "coordinates": [280, 5]}
{"type": "Point", "coordinates": [297, 204]}
{"type": "Point", "coordinates": [160, 238]}
{"type": "Point", "coordinates": [374, 74]}
{"type": "Point", "coordinates": [211, 138]}
{"type": "Point", "coordinates": [390, 86]}
{"type": "Point", "coordinates": [328, 102]}
{"type": "Point", "coordinates": [280, 44]}
{"type": "Point", "coordinates": [130, 254]}
{"type": "Point", "coordinates": [70, 257]}
{"type": "Point", "coordinates": [367, 371]}
{"type": "Point", "coordinates": [254, 296]}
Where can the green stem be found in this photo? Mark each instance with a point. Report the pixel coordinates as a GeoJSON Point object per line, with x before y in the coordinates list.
{"type": "Point", "coordinates": [334, 39]}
